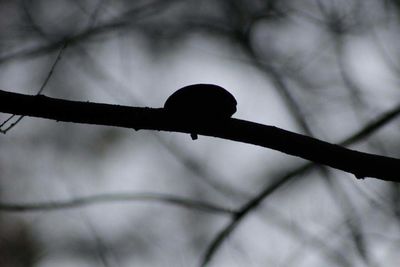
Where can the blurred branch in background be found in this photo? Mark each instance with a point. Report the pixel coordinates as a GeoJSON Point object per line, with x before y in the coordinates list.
{"type": "Point", "coordinates": [325, 69]}
{"type": "Point", "coordinates": [116, 197]}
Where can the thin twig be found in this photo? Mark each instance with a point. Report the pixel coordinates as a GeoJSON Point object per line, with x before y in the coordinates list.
{"type": "Point", "coordinates": [115, 197]}
{"type": "Point", "coordinates": [58, 58]}
{"type": "Point", "coordinates": [49, 74]}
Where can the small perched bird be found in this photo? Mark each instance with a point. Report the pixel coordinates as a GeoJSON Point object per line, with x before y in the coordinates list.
{"type": "Point", "coordinates": [201, 101]}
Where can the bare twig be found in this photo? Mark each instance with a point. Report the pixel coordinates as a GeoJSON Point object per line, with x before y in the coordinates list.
{"type": "Point", "coordinates": [116, 197]}
{"type": "Point", "coordinates": [47, 79]}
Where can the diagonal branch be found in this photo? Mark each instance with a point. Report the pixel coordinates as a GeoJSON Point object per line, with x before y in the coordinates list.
{"type": "Point", "coordinates": [358, 163]}
{"type": "Point", "coordinates": [253, 203]}
{"type": "Point", "coordinates": [49, 74]}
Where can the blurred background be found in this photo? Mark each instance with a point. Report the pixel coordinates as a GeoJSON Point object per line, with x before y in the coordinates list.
{"type": "Point", "coordinates": [328, 69]}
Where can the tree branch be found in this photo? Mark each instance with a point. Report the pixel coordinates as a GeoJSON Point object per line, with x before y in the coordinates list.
{"type": "Point", "coordinates": [116, 197]}
{"type": "Point", "coordinates": [358, 163]}
{"type": "Point", "coordinates": [254, 202]}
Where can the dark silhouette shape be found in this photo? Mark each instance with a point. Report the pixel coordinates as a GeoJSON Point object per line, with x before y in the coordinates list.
{"type": "Point", "coordinates": [200, 102]}
{"type": "Point", "coordinates": [358, 163]}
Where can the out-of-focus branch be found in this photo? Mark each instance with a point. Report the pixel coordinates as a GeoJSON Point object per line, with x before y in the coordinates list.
{"type": "Point", "coordinates": [358, 163]}
{"type": "Point", "coordinates": [126, 19]}
{"type": "Point", "coordinates": [116, 197]}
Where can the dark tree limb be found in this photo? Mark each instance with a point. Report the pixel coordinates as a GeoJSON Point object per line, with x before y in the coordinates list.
{"type": "Point", "coordinates": [254, 202]}
{"type": "Point", "coordinates": [358, 163]}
